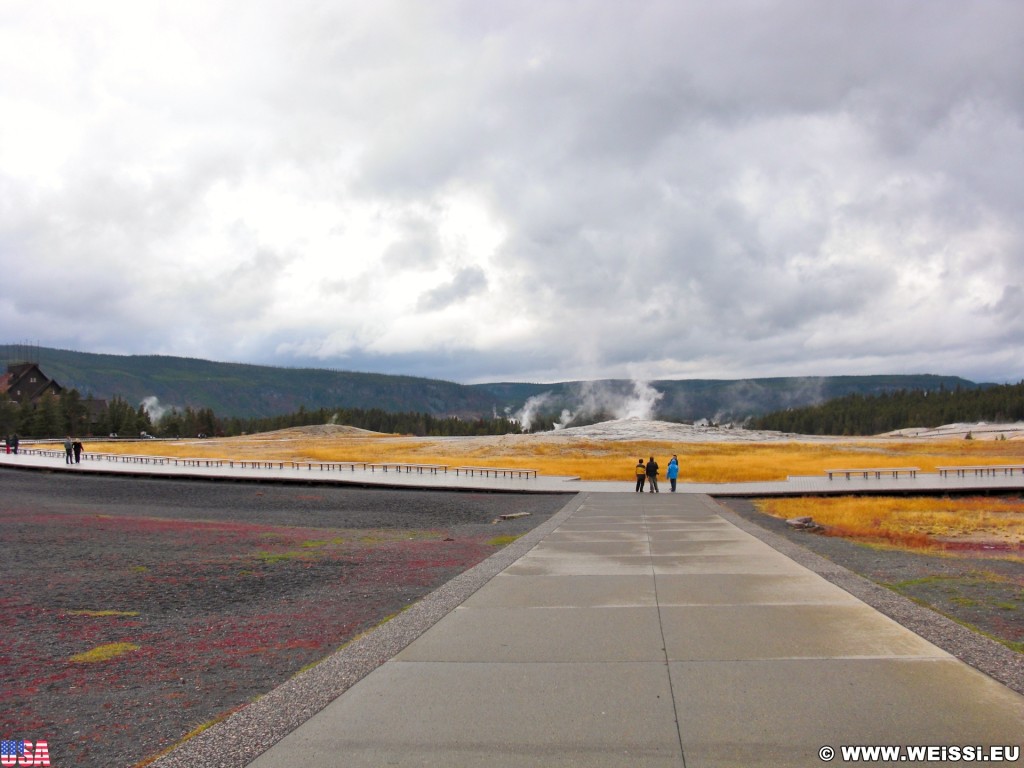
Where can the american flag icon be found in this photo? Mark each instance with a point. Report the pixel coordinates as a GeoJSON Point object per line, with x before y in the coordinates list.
{"type": "Point", "coordinates": [12, 748]}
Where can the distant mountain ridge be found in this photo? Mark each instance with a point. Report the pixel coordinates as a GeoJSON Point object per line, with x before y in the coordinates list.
{"type": "Point", "coordinates": [248, 391]}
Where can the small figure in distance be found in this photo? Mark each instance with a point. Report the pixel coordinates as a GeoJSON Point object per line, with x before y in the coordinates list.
{"type": "Point", "coordinates": [673, 471]}
{"type": "Point", "coordinates": [641, 475]}
{"type": "Point", "coordinates": [77, 448]}
{"type": "Point", "coordinates": [652, 475]}
{"type": "Point", "coordinates": [67, 450]}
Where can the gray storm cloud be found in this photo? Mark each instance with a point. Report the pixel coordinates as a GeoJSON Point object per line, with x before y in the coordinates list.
{"type": "Point", "coordinates": [463, 190]}
{"type": "Point", "coordinates": [465, 283]}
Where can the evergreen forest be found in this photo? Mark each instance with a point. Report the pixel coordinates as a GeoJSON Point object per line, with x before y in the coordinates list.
{"type": "Point", "coordinates": [857, 414]}
{"type": "Point", "coordinates": [67, 414]}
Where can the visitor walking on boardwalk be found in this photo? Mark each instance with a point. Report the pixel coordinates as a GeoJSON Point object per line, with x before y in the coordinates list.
{"type": "Point", "coordinates": [67, 450]}
{"type": "Point", "coordinates": [641, 475]}
{"type": "Point", "coordinates": [652, 475]}
{"type": "Point", "coordinates": [672, 472]}
{"type": "Point", "coordinates": [77, 448]}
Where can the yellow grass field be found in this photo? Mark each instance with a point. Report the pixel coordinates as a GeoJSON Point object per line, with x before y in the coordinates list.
{"type": "Point", "coordinates": [913, 522]}
{"type": "Point", "coordinates": [588, 459]}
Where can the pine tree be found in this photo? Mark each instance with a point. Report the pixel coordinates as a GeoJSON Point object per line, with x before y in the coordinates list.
{"type": "Point", "coordinates": [8, 417]}
{"type": "Point", "coordinates": [74, 414]}
{"type": "Point", "coordinates": [47, 420]}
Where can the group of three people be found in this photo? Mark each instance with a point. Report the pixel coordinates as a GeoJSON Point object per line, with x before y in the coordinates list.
{"type": "Point", "coordinates": [648, 473]}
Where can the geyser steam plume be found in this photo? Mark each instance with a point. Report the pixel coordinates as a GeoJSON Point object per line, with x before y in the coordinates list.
{"type": "Point", "coordinates": [531, 408]}
{"type": "Point", "coordinates": [641, 405]}
{"type": "Point", "coordinates": [592, 399]}
{"type": "Point", "coordinates": [153, 407]}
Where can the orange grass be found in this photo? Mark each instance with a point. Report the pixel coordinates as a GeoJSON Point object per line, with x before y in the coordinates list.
{"type": "Point", "coordinates": [592, 459]}
{"type": "Point", "coordinates": [919, 522]}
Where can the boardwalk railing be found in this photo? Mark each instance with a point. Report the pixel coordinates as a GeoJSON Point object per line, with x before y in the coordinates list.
{"type": "Point", "coordinates": [876, 471]}
{"type": "Point", "coordinates": [496, 471]}
{"type": "Point", "coordinates": [279, 464]}
{"type": "Point", "coordinates": [401, 467]}
{"type": "Point", "coordinates": [982, 469]}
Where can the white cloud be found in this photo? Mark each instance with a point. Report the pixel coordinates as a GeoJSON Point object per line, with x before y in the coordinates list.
{"type": "Point", "coordinates": [472, 192]}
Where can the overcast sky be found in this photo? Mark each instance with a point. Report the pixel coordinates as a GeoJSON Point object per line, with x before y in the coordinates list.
{"type": "Point", "coordinates": [516, 190]}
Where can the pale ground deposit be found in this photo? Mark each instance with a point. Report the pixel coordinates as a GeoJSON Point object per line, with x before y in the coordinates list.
{"type": "Point", "coordinates": [631, 430]}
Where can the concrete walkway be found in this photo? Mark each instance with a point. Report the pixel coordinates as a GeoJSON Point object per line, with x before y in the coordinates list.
{"type": "Point", "coordinates": [647, 630]}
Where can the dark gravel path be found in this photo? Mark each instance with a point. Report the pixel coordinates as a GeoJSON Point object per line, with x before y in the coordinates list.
{"type": "Point", "coordinates": [216, 593]}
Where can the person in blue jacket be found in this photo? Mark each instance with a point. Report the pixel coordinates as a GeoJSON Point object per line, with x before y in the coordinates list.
{"type": "Point", "coordinates": [672, 471]}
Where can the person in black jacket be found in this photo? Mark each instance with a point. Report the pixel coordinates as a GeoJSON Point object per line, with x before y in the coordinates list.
{"type": "Point", "coordinates": [652, 475]}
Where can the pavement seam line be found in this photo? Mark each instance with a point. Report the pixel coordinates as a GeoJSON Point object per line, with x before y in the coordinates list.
{"type": "Point", "coordinates": [664, 641]}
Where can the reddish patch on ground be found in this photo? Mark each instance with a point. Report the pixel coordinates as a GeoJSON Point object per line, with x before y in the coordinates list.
{"type": "Point", "coordinates": [1000, 548]}
{"type": "Point", "coordinates": [225, 611]}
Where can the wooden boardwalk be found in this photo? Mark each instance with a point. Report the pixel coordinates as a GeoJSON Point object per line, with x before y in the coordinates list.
{"type": "Point", "coordinates": [503, 480]}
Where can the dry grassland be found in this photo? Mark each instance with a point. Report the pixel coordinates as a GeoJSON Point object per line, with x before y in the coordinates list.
{"type": "Point", "coordinates": [973, 524]}
{"type": "Point", "coordinates": [589, 459]}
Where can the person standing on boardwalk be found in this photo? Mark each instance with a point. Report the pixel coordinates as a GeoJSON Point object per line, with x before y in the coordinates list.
{"type": "Point", "coordinates": [672, 472]}
{"type": "Point", "coordinates": [77, 448]}
{"type": "Point", "coordinates": [67, 450]}
{"type": "Point", "coordinates": [652, 475]}
{"type": "Point", "coordinates": [641, 475]}
{"type": "Point", "coordinates": [14, 445]}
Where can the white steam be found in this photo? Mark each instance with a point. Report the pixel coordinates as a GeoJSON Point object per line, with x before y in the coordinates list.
{"type": "Point", "coordinates": [565, 419]}
{"type": "Point", "coordinates": [594, 399]}
{"type": "Point", "coordinates": [641, 404]}
{"type": "Point", "coordinates": [531, 408]}
{"type": "Point", "coordinates": [153, 407]}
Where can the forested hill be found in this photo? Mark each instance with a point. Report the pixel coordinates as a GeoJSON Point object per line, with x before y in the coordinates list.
{"type": "Point", "coordinates": [255, 391]}
{"type": "Point", "coordinates": [251, 391]}
{"type": "Point", "coordinates": [871, 415]}
{"type": "Point", "coordinates": [717, 400]}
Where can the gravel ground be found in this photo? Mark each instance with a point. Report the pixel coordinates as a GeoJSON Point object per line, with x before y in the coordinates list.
{"type": "Point", "coordinates": [209, 594]}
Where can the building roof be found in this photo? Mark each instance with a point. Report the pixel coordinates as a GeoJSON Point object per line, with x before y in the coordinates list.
{"type": "Point", "coordinates": [27, 382]}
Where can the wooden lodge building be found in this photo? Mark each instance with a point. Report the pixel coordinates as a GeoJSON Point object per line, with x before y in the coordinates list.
{"type": "Point", "coordinates": [26, 383]}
